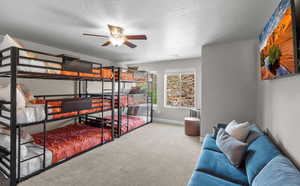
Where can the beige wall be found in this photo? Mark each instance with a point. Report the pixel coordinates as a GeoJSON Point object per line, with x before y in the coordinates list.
{"type": "Point", "coordinates": [228, 83]}
{"type": "Point", "coordinates": [278, 113]}
{"type": "Point", "coordinates": [231, 86]}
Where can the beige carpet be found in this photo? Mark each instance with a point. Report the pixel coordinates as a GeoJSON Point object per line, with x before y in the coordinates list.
{"type": "Point", "coordinates": [155, 155]}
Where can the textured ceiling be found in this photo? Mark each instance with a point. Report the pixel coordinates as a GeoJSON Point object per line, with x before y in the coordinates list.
{"type": "Point", "coordinates": [175, 28]}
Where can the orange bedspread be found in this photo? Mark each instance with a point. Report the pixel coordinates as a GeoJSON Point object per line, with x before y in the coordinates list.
{"type": "Point", "coordinates": [67, 141]}
{"type": "Point", "coordinates": [133, 122]}
{"type": "Point", "coordinates": [128, 76]}
{"type": "Point", "coordinates": [101, 73]}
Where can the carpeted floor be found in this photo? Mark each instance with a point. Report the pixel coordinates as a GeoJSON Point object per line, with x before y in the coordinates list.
{"type": "Point", "coordinates": [155, 155]}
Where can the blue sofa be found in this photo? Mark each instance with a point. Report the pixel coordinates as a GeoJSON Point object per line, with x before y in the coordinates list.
{"type": "Point", "coordinates": [214, 169]}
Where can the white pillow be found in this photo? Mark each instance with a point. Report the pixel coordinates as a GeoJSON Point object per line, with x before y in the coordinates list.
{"type": "Point", "coordinates": [5, 142]}
{"type": "Point", "coordinates": [239, 131]}
{"type": "Point", "coordinates": [5, 96]}
{"type": "Point", "coordinates": [9, 41]}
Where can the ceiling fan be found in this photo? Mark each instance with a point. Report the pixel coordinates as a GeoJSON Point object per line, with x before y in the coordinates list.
{"type": "Point", "coordinates": [117, 37]}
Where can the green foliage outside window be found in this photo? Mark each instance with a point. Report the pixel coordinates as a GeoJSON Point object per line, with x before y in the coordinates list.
{"type": "Point", "coordinates": [152, 88]}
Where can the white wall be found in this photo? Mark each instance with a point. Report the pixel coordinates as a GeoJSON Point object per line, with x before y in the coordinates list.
{"type": "Point", "coordinates": [172, 115]}
{"type": "Point", "coordinates": [229, 83]}
{"type": "Point", "coordinates": [278, 113]}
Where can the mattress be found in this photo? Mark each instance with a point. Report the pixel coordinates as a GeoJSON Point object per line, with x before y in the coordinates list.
{"type": "Point", "coordinates": [35, 112]}
{"type": "Point", "coordinates": [61, 143]}
{"type": "Point", "coordinates": [101, 73]}
{"type": "Point", "coordinates": [72, 139]}
{"type": "Point", "coordinates": [128, 76]}
{"type": "Point", "coordinates": [23, 68]}
{"type": "Point", "coordinates": [31, 113]}
{"type": "Point", "coordinates": [133, 122]}
{"type": "Point", "coordinates": [32, 165]}
{"type": "Point", "coordinates": [96, 106]}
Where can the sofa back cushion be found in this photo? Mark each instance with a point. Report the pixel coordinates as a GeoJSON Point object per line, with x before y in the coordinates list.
{"type": "Point", "coordinates": [259, 154]}
{"type": "Point", "coordinates": [279, 171]}
{"type": "Point", "coordinates": [254, 133]}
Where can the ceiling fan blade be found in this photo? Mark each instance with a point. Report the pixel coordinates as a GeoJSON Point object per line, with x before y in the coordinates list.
{"type": "Point", "coordinates": [115, 29]}
{"type": "Point", "coordinates": [129, 44]}
{"type": "Point", "coordinates": [136, 37]}
{"type": "Point", "coordinates": [107, 43]}
{"type": "Point", "coordinates": [110, 27]}
{"type": "Point", "coordinates": [95, 35]}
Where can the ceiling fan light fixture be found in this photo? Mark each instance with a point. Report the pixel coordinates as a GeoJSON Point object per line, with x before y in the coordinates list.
{"type": "Point", "coordinates": [117, 41]}
{"type": "Point", "coordinates": [118, 38]}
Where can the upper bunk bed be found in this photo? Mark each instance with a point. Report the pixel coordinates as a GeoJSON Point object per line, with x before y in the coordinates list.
{"type": "Point", "coordinates": [131, 75]}
{"type": "Point", "coordinates": [40, 65]}
{"type": "Point", "coordinates": [18, 62]}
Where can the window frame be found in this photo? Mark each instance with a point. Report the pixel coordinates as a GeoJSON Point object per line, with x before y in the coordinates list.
{"type": "Point", "coordinates": [157, 101]}
{"type": "Point", "coordinates": [180, 72]}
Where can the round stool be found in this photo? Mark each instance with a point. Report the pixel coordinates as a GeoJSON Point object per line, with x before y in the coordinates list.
{"type": "Point", "coordinates": [192, 126]}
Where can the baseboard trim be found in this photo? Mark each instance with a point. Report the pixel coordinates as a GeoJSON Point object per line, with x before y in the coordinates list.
{"type": "Point", "coordinates": [161, 120]}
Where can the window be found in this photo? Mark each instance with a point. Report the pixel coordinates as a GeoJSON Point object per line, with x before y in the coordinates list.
{"type": "Point", "coordinates": [153, 90]}
{"type": "Point", "coordinates": [152, 87]}
{"type": "Point", "coordinates": [180, 89]}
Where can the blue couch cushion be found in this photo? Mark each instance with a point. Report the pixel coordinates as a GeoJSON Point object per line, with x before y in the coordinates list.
{"type": "Point", "coordinates": [259, 154]}
{"type": "Point", "coordinates": [203, 179]}
{"type": "Point", "coordinates": [254, 133]}
{"type": "Point", "coordinates": [279, 171]}
{"type": "Point", "coordinates": [209, 143]}
{"type": "Point", "coordinates": [217, 164]}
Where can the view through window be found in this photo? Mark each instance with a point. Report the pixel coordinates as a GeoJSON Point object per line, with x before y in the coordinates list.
{"type": "Point", "coordinates": [152, 91]}
{"type": "Point", "coordinates": [180, 89]}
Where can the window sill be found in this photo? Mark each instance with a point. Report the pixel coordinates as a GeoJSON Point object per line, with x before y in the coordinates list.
{"type": "Point", "coordinates": [182, 108]}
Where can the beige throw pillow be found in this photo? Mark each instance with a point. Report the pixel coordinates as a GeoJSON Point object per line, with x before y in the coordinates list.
{"type": "Point", "coordinates": [9, 41]}
{"type": "Point", "coordinates": [237, 130]}
{"type": "Point", "coordinates": [5, 95]}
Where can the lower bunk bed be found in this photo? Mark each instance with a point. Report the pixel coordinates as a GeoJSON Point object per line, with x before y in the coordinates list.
{"type": "Point", "coordinates": [128, 123]}
{"type": "Point", "coordinates": [61, 144]}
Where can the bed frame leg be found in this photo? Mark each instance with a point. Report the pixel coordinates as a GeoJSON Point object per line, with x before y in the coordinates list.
{"type": "Point", "coordinates": [13, 101]}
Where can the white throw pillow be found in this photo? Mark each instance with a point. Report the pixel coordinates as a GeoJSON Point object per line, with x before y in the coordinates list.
{"type": "Point", "coordinates": [9, 41]}
{"type": "Point", "coordinates": [5, 141]}
{"type": "Point", "coordinates": [239, 131]}
{"type": "Point", "coordinates": [5, 95]}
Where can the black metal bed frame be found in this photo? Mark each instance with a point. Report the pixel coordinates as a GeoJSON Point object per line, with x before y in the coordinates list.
{"type": "Point", "coordinates": [76, 102]}
{"type": "Point", "coordinates": [122, 82]}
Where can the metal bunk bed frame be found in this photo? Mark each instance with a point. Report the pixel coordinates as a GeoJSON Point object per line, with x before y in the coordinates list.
{"type": "Point", "coordinates": [149, 104]}
{"type": "Point", "coordinates": [13, 74]}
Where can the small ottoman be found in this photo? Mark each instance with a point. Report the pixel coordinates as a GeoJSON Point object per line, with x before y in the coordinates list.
{"type": "Point", "coordinates": [192, 126]}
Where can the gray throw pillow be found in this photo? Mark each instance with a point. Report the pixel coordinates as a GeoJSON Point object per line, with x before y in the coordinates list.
{"type": "Point", "coordinates": [232, 148]}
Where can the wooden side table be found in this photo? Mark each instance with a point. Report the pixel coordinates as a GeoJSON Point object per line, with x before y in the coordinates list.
{"type": "Point", "coordinates": [192, 126]}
